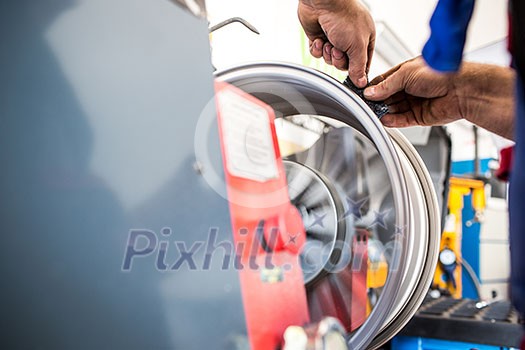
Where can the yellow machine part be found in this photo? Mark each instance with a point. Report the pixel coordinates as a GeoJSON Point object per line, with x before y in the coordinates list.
{"type": "Point", "coordinates": [377, 274]}
{"type": "Point", "coordinates": [375, 278]}
{"type": "Point", "coordinates": [451, 237]}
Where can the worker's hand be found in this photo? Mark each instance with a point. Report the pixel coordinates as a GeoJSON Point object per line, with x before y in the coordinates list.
{"type": "Point", "coordinates": [416, 95]}
{"type": "Point", "coordinates": [342, 32]}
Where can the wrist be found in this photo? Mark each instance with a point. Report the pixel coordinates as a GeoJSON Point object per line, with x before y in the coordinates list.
{"type": "Point", "coordinates": [478, 86]}
{"type": "Point", "coordinates": [485, 96]}
{"type": "Point", "coordinates": [471, 86]}
{"type": "Point", "coordinates": [463, 85]}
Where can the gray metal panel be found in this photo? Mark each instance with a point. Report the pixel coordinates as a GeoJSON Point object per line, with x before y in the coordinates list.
{"type": "Point", "coordinates": [99, 101]}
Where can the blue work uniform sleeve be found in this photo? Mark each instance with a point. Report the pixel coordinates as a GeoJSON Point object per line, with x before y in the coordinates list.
{"type": "Point", "coordinates": [448, 25]}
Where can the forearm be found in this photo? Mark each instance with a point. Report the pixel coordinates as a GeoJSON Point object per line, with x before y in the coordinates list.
{"type": "Point", "coordinates": [486, 97]}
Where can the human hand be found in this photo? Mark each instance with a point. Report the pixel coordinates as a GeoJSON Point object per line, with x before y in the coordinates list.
{"type": "Point", "coordinates": [416, 95]}
{"type": "Point", "coordinates": [342, 32]}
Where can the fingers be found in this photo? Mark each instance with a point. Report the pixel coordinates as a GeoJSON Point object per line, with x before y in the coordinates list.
{"type": "Point", "coordinates": [357, 66]}
{"type": "Point", "coordinates": [370, 53]}
{"type": "Point", "coordinates": [396, 98]}
{"type": "Point", "coordinates": [400, 112]}
{"type": "Point", "coordinates": [391, 84]}
{"type": "Point", "coordinates": [399, 120]}
{"type": "Point", "coordinates": [391, 71]}
{"type": "Point", "coordinates": [334, 57]}
{"type": "Point", "coordinates": [383, 76]}
{"type": "Point", "coordinates": [339, 59]}
{"type": "Point", "coordinates": [377, 80]}
{"type": "Point", "coordinates": [346, 25]}
{"type": "Point", "coordinates": [316, 48]}
{"type": "Point", "coordinates": [327, 53]}
{"type": "Point", "coordinates": [399, 107]}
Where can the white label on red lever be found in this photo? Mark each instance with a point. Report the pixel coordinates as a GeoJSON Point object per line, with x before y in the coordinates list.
{"type": "Point", "coordinates": [248, 141]}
